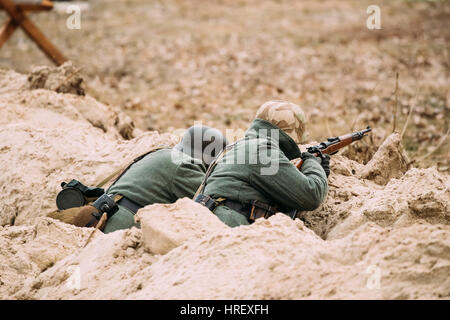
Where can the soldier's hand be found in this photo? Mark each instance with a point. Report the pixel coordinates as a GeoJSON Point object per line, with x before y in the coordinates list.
{"type": "Point", "coordinates": [307, 155]}
{"type": "Point", "coordinates": [325, 163]}
{"type": "Point", "coordinates": [323, 159]}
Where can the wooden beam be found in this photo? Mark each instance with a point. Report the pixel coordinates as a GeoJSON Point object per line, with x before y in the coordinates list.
{"type": "Point", "coordinates": [44, 5]}
{"type": "Point", "coordinates": [34, 7]}
{"type": "Point", "coordinates": [33, 32]}
{"type": "Point", "coordinates": [7, 30]}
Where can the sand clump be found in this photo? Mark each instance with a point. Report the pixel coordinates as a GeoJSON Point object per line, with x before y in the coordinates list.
{"type": "Point", "coordinates": [166, 226]}
{"type": "Point", "coordinates": [63, 79]}
{"type": "Point", "coordinates": [27, 251]}
{"type": "Point", "coordinates": [382, 233]}
{"type": "Point", "coordinates": [39, 91]}
{"type": "Point", "coordinates": [390, 161]}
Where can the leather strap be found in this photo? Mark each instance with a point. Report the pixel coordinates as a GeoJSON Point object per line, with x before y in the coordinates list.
{"type": "Point", "coordinates": [113, 177]}
{"type": "Point", "coordinates": [210, 169]}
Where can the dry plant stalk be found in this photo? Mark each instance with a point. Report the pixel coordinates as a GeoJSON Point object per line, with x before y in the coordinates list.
{"type": "Point", "coordinates": [410, 112]}
{"type": "Point", "coordinates": [444, 139]}
{"type": "Point", "coordinates": [396, 103]}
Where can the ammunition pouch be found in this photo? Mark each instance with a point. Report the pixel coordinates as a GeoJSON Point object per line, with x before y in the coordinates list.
{"type": "Point", "coordinates": [207, 202]}
{"type": "Point", "coordinates": [261, 210]}
{"type": "Point", "coordinates": [104, 204]}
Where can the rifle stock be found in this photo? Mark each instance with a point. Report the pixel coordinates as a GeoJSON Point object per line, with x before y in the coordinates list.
{"type": "Point", "coordinates": [332, 145]}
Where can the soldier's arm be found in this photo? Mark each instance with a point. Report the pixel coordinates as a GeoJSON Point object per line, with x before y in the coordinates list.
{"type": "Point", "coordinates": [302, 190]}
{"type": "Point", "coordinates": [187, 179]}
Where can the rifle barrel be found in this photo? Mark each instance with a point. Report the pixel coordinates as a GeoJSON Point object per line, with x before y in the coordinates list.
{"type": "Point", "coordinates": [360, 134]}
{"type": "Point", "coordinates": [332, 145]}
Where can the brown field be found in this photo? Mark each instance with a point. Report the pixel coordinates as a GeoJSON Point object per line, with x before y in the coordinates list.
{"type": "Point", "coordinates": [171, 63]}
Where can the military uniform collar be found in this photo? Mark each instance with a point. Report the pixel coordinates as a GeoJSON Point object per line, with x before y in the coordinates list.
{"type": "Point", "coordinates": [285, 142]}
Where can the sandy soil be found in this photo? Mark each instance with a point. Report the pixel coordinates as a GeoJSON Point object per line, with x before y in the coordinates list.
{"type": "Point", "coordinates": [382, 233]}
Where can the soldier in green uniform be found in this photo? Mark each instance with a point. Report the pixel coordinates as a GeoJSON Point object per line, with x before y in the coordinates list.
{"type": "Point", "coordinates": [165, 175]}
{"type": "Point", "coordinates": [162, 175]}
{"type": "Point", "coordinates": [254, 177]}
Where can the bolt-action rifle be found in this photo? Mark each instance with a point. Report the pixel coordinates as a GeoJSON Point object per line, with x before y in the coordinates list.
{"type": "Point", "coordinates": [332, 145]}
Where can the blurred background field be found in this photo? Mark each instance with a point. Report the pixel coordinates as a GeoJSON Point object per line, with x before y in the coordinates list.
{"type": "Point", "coordinates": [171, 63]}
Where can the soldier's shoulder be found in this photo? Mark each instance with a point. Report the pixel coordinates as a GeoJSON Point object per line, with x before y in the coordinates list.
{"type": "Point", "coordinates": [179, 158]}
{"type": "Point", "coordinates": [266, 142]}
{"type": "Point", "coordinates": [163, 155]}
{"type": "Point", "coordinates": [164, 152]}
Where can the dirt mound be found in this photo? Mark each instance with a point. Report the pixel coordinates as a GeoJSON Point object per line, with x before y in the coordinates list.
{"type": "Point", "coordinates": [64, 79]}
{"type": "Point", "coordinates": [40, 95]}
{"type": "Point", "coordinates": [294, 263]}
{"type": "Point", "coordinates": [421, 194]}
{"type": "Point", "coordinates": [48, 137]}
{"type": "Point", "coordinates": [359, 193]}
{"type": "Point", "coordinates": [27, 251]}
{"type": "Point", "coordinates": [389, 162]}
{"type": "Point", "coordinates": [383, 231]}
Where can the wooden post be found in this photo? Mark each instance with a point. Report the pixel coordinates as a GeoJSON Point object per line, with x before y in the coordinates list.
{"type": "Point", "coordinates": [7, 30]}
{"type": "Point", "coordinates": [19, 18]}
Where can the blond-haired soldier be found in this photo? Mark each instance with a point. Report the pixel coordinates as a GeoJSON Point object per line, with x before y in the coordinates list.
{"type": "Point", "coordinates": [254, 177]}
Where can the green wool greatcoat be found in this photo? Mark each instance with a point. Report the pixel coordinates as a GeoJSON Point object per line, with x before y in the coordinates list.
{"type": "Point", "coordinates": [162, 176]}
{"type": "Point", "coordinates": [258, 167]}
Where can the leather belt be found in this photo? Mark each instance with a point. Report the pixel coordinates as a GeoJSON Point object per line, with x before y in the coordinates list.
{"type": "Point", "coordinates": [129, 204]}
{"type": "Point", "coordinates": [243, 209]}
{"type": "Point", "coordinates": [252, 211]}
{"type": "Point", "coordinates": [212, 204]}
